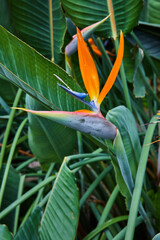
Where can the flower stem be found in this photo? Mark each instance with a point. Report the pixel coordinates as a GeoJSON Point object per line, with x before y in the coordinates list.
{"type": "Point", "coordinates": [10, 157]}
{"type": "Point", "coordinates": [51, 30]}
{"type": "Point", "coordinates": [139, 183]}
{"type": "Point", "coordinates": [122, 72]}
{"type": "Point", "coordinates": [9, 125]}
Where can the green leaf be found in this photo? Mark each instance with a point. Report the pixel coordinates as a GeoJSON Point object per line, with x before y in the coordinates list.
{"type": "Point", "coordinates": [5, 19]}
{"type": "Point", "coordinates": [122, 170]}
{"type": "Point", "coordinates": [135, 203]}
{"type": "Point", "coordinates": [29, 70]}
{"type": "Point", "coordinates": [84, 13]}
{"type": "Point", "coordinates": [128, 61]}
{"type": "Point", "coordinates": [60, 218]}
{"type": "Point", "coordinates": [139, 87]}
{"type": "Point", "coordinates": [156, 237]}
{"type": "Point", "coordinates": [156, 199]}
{"type": "Point", "coordinates": [7, 91]}
{"type": "Point", "coordinates": [4, 233]}
{"type": "Point", "coordinates": [153, 11]}
{"type": "Point", "coordinates": [30, 228]}
{"type": "Point", "coordinates": [47, 138]}
{"type": "Point", "coordinates": [34, 25]}
{"type": "Point", "coordinates": [131, 69]}
{"type": "Point", "coordinates": [123, 119]}
{"type": "Point", "coordinates": [104, 225]}
{"type": "Point", "coordinates": [10, 195]}
{"type": "Point", "coordinates": [149, 37]}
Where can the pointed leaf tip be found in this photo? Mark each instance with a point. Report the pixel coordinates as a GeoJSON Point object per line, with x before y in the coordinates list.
{"type": "Point", "coordinates": [88, 68]}
{"type": "Point", "coordinates": [113, 74]}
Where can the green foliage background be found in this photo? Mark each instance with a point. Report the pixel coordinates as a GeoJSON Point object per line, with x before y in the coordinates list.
{"type": "Point", "coordinates": [56, 183]}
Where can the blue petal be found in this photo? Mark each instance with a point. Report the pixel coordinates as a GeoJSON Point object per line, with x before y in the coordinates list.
{"type": "Point", "coordinates": [73, 93]}
{"type": "Point", "coordinates": [93, 106]}
{"type": "Point", "coordinates": [80, 97]}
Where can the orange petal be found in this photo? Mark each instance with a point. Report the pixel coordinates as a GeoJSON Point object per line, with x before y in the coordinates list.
{"type": "Point", "coordinates": [96, 50]}
{"type": "Point", "coordinates": [113, 74]}
{"type": "Point", "coordinates": [90, 40]}
{"type": "Point", "coordinates": [88, 68]}
{"type": "Point", "coordinates": [85, 111]}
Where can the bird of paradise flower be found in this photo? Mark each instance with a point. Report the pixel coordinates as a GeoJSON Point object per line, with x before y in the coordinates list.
{"type": "Point", "coordinates": [88, 121]}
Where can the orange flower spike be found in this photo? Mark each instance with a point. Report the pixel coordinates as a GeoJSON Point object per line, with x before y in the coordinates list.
{"type": "Point", "coordinates": [90, 40]}
{"type": "Point", "coordinates": [88, 68]}
{"type": "Point", "coordinates": [96, 50]}
{"type": "Point", "coordinates": [113, 74]}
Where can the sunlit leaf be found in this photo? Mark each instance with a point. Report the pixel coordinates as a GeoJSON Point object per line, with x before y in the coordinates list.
{"type": "Point", "coordinates": [119, 116]}
{"type": "Point", "coordinates": [61, 214]}
{"type": "Point", "coordinates": [30, 228]}
{"type": "Point", "coordinates": [29, 70]}
{"type": "Point", "coordinates": [84, 13]}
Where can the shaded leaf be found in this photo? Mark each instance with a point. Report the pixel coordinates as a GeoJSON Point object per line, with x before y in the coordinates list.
{"type": "Point", "coordinates": [10, 195]}
{"type": "Point", "coordinates": [5, 19]}
{"type": "Point", "coordinates": [149, 38]}
{"type": "Point", "coordinates": [156, 199]}
{"type": "Point", "coordinates": [139, 87]}
{"type": "Point", "coordinates": [32, 22]}
{"type": "Point", "coordinates": [47, 138]}
{"type": "Point", "coordinates": [131, 69]}
{"type": "Point", "coordinates": [7, 91]}
{"type": "Point", "coordinates": [128, 61]}
{"type": "Point", "coordinates": [60, 218]}
{"type": "Point", "coordinates": [4, 233]}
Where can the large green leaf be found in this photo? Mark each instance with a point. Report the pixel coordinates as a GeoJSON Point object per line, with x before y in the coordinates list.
{"type": "Point", "coordinates": [5, 19]}
{"type": "Point", "coordinates": [32, 21]}
{"type": "Point", "coordinates": [48, 140]}
{"type": "Point", "coordinates": [60, 218]}
{"type": "Point", "coordinates": [31, 227]}
{"type": "Point", "coordinates": [119, 116]}
{"type": "Point", "coordinates": [153, 11]}
{"type": "Point", "coordinates": [83, 13]}
{"type": "Point", "coordinates": [131, 70]}
{"type": "Point", "coordinates": [10, 195]}
{"type": "Point", "coordinates": [29, 70]}
{"type": "Point", "coordinates": [121, 167]}
{"type": "Point", "coordinates": [123, 119]}
{"type": "Point", "coordinates": [128, 61]}
{"type": "Point", "coordinates": [139, 87]}
{"type": "Point", "coordinates": [4, 233]}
